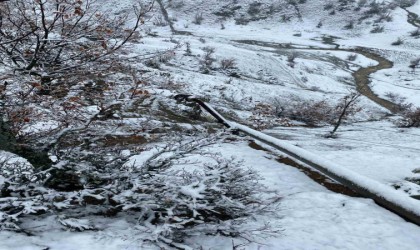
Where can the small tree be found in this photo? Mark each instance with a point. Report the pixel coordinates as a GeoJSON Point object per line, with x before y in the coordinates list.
{"type": "Point", "coordinates": [207, 60]}
{"type": "Point", "coordinates": [291, 59]}
{"type": "Point", "coordinates": [344, 109]}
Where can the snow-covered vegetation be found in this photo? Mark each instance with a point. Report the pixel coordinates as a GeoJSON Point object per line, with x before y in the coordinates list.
{"type": "Point", "coordinates": [97, 153]}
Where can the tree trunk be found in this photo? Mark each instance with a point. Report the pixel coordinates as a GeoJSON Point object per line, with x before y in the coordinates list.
{"type": "Point", "coordinates": [166, 15]}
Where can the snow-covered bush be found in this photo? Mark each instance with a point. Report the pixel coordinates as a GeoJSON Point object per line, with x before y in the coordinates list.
{"type": "Point", "coordinates": [183, 191]}
{"type": "Point", "coordinates": [198, 18]}
{"type": "Point", "coordinates": [15, 169]}
{"type": "Point", "coordinates": [207, 60]}
{"type": "Point", "coordinates": [415, 33]}
{"type": "Point", "coordinates": [291, 59]}
{"type": "Point", "coordinates": [352, 57]}
{"type": "Point", "coordinates": [228, 63]}
{"type": "Point", "coordinates": [410, 115]}
{"type": "Point", "coordinates": [399, 41]}
{"type": "Point", "coordinates": [415, 63]}
{"type": "Point", "coordinates": [410, 118]}
{"type": "Point", "coordinates": [312, 112]}
{"type": "Point", "coordinates": [18, 193]}
{"type": "Point", "coordinates": [309, 111]}
{"type": "Point", "coordinates": [179, 189]}
{"type": "Point", "coordinates": [377, 29]}
{"type": "Point", "coordinates": [399, 100]}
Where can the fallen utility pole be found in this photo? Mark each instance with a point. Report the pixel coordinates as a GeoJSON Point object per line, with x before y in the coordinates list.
{"type": "Point", "coordinates": [383, 195]}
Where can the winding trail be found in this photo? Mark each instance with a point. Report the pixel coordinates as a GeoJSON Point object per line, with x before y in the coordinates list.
{"type": "Point", "coordinates": [361, 76]}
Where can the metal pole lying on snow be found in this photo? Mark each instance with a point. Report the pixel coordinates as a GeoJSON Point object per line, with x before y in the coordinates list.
{"type": "Point", "coordinates": [385, 196]}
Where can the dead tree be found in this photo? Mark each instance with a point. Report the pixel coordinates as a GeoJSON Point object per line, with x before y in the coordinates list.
{"type": "Point", "coordinates": [345, 108]}
{"type": "Point", "coordinates": [166, 15]}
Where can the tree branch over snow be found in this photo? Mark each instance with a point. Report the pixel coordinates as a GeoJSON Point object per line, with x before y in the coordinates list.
{"type": "Point", "coordinates": [47, 39]}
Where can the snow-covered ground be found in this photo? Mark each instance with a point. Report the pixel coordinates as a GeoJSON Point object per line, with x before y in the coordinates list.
{"type": "Point", "coordinates": [308, 216]}
{"type": "Point", "coordinates": [377, 150]}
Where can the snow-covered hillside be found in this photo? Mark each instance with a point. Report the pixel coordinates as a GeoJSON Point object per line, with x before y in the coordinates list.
{"type": "Point", "coordinates": [126, 165]}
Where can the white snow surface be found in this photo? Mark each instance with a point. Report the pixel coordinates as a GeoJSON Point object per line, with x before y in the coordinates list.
{"type": "Point", "coordinates": [309, 215]}
{"type": "Point", "coordinates": [387, 193]}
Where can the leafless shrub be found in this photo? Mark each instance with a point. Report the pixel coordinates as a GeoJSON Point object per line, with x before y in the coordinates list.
{"type": "Point", "coordinates": [309, 111]}
{"type": "Point", "coordinates": [414, 64]}
{"type": "Point", "coordinates": [202, 40]}
{"type": "Point", "coordinates": [198, 18]}
{"type": "Point", "coordinates": [316, 113]}
{"type": "Point", "coordinates": [349, 25]}
{"type": "Point", "coordinates": [156, 61]}
{"type": "Point", "coordinates": [173, 40]}
{"type": "Point", "coordinates": [410, 118]}
{"type": "Point", "coordinates": [254, 8]}
{"type": "Point", "coordinates": [374, 9]}
{"type": "Point", "coordinates": [415, 33]}
{"type": "Point", "coordinates": [242, 20]}
{"type": "Point", "coordinates": [291, 59]}
{"type": "Point", "coordinates": [229, 63]}
{"type": "Point", "coordinates": [361, 3]}
{"type": "Point", "coordinates": [328, 6]}
{"type": "Point", "coordinates": [285, 18]}
{"type": "Point", "coordinates": [399, 41]}
{"type": "Point", "coordinates": [166, 57]}
{"type": "Point", "coordinates": [207, 60]}
{"type": "Point", "coordinates": [227, 10]}
{"type": "Point", "coordinates": [384, 17]}
{"type": "Point", "coordinates": [188, 51]}
{"type": "Point", "coordinates": [160, 21]}
{"type": "Point", "coordinates": [377, 29]}
{"type": "Point", "coordinates": [319, 25]}
{"type": "Point", "coordinates": [352, 57]}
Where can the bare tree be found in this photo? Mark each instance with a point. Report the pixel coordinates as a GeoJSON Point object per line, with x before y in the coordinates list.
{"type": "Point", "coordinates": [166, 15]}
{"type": "Point", "coordinates": [46, 39]}
{"type": "Point", "coordinates": [317, 113]}
{"type": "Point", "coordinates": [345, 108]}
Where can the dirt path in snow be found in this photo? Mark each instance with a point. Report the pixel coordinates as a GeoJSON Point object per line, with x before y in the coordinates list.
{"type": "Point", "coordinates": [362, 79]}
{"type": "Point", "coordinates": [361, 76]}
